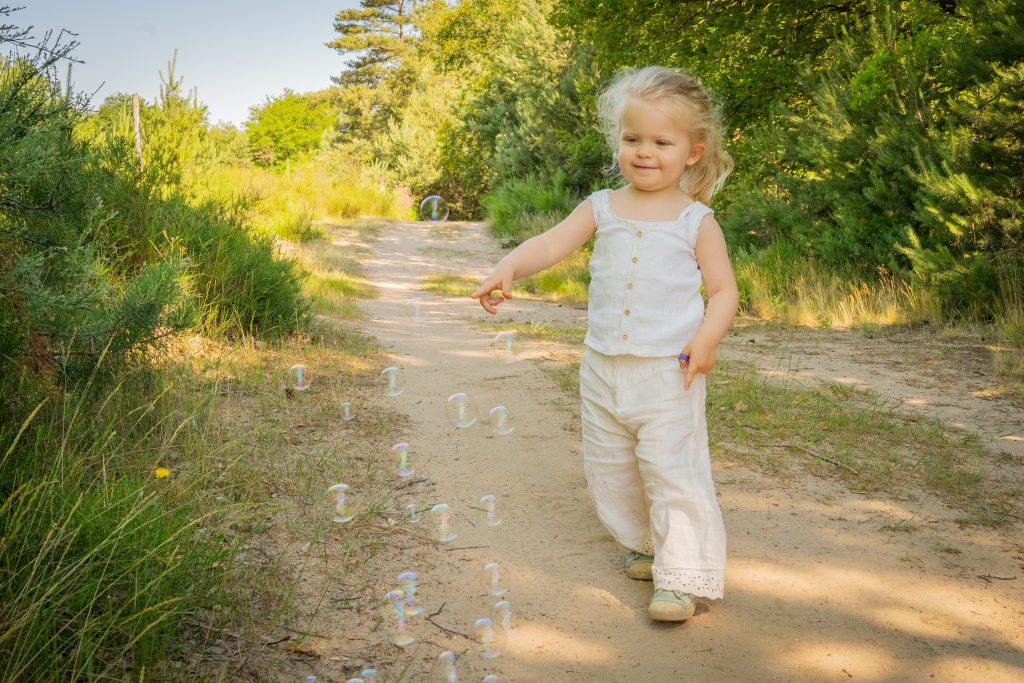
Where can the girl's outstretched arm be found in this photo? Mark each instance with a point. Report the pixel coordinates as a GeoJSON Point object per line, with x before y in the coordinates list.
{"type": "Point", "coordinates": [536, 254]}
{"type": "Point", "coordinates": [723, 299]}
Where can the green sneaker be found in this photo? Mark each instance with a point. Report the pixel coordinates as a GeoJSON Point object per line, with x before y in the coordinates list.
{"type": "Point", "coordinates": [638, 566]}
{"type": "Point", "coordinates": [671, 606]}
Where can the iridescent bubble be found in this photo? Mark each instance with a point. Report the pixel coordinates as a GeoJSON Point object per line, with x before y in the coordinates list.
{"type": "Point", "coordinates": [408, 586]}
{"type": "Point", "coordinates": [499, 420]}
{"type": "Point", "coordinates": [403, 625]}
{"type": "Point", "coordinates": [341, 501]}
{"type": "Point", "coordinates": [490, 503]}
{"type": "Point", "coordinates": [393, 388]}
{"type": "Point", "coordinates": [411, 510]}
{"type": "Point", "coordinates": [433, 208]}
{"type": "Point", "coordinates": [490, 638]}
{"type": "Point", "coordinates": [495, 580]}
{"type": "Point", "coordinates": [402, 449]}
{"type": "Point", "coordinates": [300, 375]}
{"type": "Point", "coordinates": [347, 415]}
{"type": "Point", "coordinates": [355, 680]}
{"type": "Point", "coordinates": [506, 347]}
{"type": "Point", "coordinates": [489, 678]}
{"type": "Point", "coordinates": [415, 309]}
{"type": "Point", "coordinates": [461, 411]}
{"type": "Point", "coordinates": [442, 515]}
{"type": "Point", "coordinates": [369, 675]}
{"type": "Point", "coordinates": [450, 667]}
{"type": "Point", "coordinates": [310, 678]}
{"type": "Point", "coordinates": [503, 617]}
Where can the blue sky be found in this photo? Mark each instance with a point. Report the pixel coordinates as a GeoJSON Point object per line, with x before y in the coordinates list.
{"type": "Point", "coordinates": [236, 52]}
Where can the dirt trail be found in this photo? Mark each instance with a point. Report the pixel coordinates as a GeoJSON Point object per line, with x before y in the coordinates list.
{"type": "Point", "coordinates": [815, 589]}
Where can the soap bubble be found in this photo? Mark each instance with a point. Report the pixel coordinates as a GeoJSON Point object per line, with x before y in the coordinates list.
{"type": "Point", "coordinates": [450, 667]}
{"type": "Point", "coordinates": [490, 638]}
{"type": "Point", "coordinates": [490, 503]}
{"type": "Point", "coordinates": [499, 420]}
{"type": "Point", "coordinates": [355, 680]}
{"type": "Point", "coordinates": [461, 410]}
{"type": "Point", "coordinates": [403, 459]}
{"type": "Point", "coordinates": [442, 515]}
{"type": "Point", "coordinates": [416, 311]}
{"type": "Point", "coordinates": [301, 377]}
{"type": "Point", "coordinates": [347, 416]}
{"type": "Point", "coordinates": [411, 510]}
{"type": "Point", "coordinates": [489, 678]}
{"type": "Point", "coordinates": [503, 617]}
{"type": "Point", "coordinates": [393, 389]}
{"type": "Point", "coordinates": [310, 678]}
{"type": "Point", "coordinates": [433, 208]}
{"type": "Point", "coordinates": [408, 586]}
{"type": "Point", "coordinates": [495, 580]}
{"type": "Point", "coordinates": [403, 625]}
{"type": "Point", "coordinates": [369, 675]}
{"type": "Point", "coordinates": [341, 500]}
{"type": "Point", "coordinates": [507, 347]}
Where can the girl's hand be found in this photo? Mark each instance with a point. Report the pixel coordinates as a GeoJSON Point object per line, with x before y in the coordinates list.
{"type": "Point", "coordinates": [702, 359]}
{"type": "Point", "coordinates": [498, 280]}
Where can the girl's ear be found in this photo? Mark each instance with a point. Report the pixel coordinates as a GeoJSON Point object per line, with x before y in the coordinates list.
{"type": "Point", "coordinates": [696, 154]}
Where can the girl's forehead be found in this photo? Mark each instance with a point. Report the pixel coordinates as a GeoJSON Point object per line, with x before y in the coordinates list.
{"type": "Point", "coordinates": [654, 116]}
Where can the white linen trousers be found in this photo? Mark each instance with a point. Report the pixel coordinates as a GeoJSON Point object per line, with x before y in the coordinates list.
{"type": "Point", "coordinates": [648, 468]}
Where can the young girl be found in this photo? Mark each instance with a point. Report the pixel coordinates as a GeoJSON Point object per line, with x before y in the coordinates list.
{"type": "Point", "coordinates": [649, 341]}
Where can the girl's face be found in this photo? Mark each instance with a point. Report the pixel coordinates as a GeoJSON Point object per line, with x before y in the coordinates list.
{"type": "Point", "coordinates": [654, 148]}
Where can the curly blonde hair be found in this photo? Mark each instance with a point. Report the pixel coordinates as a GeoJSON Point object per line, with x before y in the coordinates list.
{"type": "Point", "coordinates": [689, 100]}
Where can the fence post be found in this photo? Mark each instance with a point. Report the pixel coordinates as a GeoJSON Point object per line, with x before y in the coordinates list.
{"type": "Point", "coordinates": [138, 127]}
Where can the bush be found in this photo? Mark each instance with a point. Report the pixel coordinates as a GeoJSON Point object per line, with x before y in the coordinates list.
{"type": "Point", "coordinates": [521, 208]}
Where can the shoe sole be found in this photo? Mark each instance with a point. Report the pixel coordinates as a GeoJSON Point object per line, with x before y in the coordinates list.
{"type": "Point", "coordinates": [641, 571]}
{"type": "Point", "coordinates": [663, 610]}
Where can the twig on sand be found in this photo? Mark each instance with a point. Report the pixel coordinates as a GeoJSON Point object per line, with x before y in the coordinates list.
{"type": "Point", "coordinates": [409, 483]}
{"type": "Point", "coordinates": [989, 577]}
{"type": "Point", "coordinates": [467, 547]}
{"type": "Point", "coordinates": [430, 618]}
{"type": "Point", "coordinates": [819, 456]}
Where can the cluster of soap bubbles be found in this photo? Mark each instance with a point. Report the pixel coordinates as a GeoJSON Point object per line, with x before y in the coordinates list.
{"type": "Point", "coordinates": [400, 610]}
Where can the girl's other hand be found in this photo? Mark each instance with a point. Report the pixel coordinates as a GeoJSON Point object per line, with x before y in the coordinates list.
{"type": "Point", "coordinates": [485, 292]}
{"type": "Point", "coordinates": [702, 359]}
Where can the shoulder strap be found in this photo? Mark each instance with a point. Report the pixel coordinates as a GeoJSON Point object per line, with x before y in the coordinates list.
{"type": "Point", "coordinates": [599, 201]}
{"type": "Point", "coordinates": [694, 218]}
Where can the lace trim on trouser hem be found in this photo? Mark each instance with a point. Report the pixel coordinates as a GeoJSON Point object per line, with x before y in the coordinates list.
{"type": "Point", "coordinates": [707, 583]}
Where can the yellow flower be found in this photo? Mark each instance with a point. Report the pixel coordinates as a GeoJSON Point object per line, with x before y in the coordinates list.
{"type": "Point", "coordinates": [161, 472]}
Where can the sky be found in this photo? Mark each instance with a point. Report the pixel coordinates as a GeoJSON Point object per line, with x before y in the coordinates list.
{"type": "Point", "coordinates": [235, 52]}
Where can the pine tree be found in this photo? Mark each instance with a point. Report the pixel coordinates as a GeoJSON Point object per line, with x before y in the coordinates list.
{"type": "Point", "coordinates": [379, 33]}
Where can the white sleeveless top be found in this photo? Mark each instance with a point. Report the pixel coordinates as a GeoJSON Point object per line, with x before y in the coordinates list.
{"type": "Point", "coordinates": [644, 282]}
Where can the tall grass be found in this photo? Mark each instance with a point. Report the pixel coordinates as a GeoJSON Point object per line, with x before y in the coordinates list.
{"type": "Point", "coordinates": [101, 557]}
{"type": "Point", "coordinates": [287, 203]}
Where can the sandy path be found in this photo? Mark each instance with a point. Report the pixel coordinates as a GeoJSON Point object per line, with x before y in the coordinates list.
{"type": "Point", "coordinates": [815, 589]}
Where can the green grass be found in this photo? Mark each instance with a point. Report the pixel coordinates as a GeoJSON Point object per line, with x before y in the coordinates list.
{"type": "Point", "coordinates": [289, 203]}
{"type": "Point", "coordinates": [849, 435]}
{"type": "Point", "coordinates": [449, 285]}
{"type": "Point", "coordinates": [563, 334]}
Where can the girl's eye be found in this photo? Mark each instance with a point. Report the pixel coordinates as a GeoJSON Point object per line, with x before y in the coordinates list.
{"type": "Point", "coordinates": [664, 143]}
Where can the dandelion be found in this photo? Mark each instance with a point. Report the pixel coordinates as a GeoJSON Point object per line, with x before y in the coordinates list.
{"type": "Point", "coordinates": [161, 472]}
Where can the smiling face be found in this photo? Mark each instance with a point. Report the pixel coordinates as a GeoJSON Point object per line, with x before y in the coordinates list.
{"type": "Point", "coordinates": [654, 147]}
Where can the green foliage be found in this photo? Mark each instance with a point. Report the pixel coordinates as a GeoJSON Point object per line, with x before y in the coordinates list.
{"type": "Point", "coordinates": [288, 128]}
{"type": "Point", "coordinates": [519, 209]}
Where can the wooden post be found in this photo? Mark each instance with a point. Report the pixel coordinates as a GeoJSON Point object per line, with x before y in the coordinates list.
{"type": "Point", "coordinates": [138, 127]}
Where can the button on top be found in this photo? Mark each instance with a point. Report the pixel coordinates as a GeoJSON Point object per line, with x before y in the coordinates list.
{"type": "Point", "coordinates": [639, 233]}
{"type": "Point", "coordinates": [627, 311]}
{"type": "Point", "coordinates": [625, 337]}
{"type": "Point", "coordinates": [629, 285]}
{"type": "Point", "coordinates": [634, 259]}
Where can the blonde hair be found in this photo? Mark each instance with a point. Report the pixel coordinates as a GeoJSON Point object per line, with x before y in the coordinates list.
{"type": "Point", "coordinates": [688, 98]}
